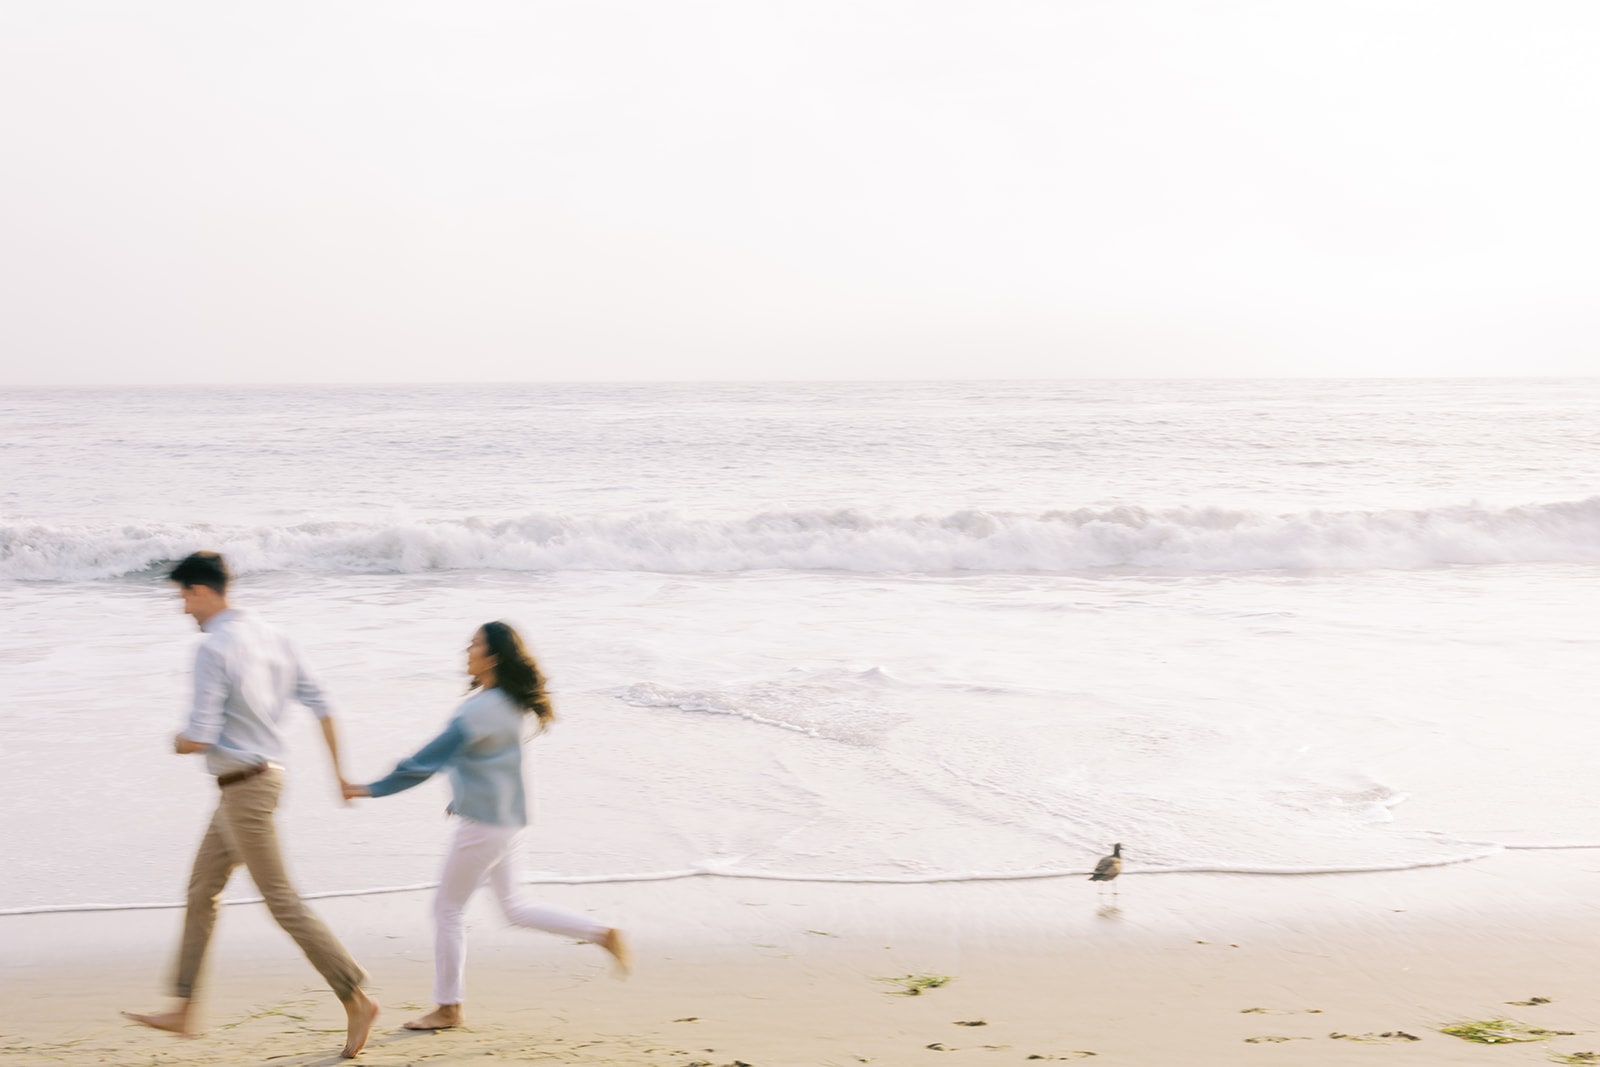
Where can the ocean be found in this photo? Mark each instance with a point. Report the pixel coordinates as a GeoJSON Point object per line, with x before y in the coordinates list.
{"type": "Point", "coordinates": [861, 632]}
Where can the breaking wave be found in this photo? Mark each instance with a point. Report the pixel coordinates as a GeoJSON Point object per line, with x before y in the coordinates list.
{"type": "Point", "coordinates": [1084, 539]}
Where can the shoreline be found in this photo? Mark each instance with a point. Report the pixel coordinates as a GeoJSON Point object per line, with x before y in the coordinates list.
{"type": "Point", "coordinates": [1193, 969]}
{"type": "Point", "coordinates": [534, 884]}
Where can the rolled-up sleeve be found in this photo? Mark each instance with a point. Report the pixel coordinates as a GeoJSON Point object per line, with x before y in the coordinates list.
{"type": "Point", "coordinates": [307, 690]}
{"type": "Point", "coordinates": [210, 694]}
{"type": "Point", "coordinates": [428, 761]}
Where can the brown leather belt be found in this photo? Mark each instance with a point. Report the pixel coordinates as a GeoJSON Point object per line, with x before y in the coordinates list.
{"type": "Point", "coordinates": [225, 780]}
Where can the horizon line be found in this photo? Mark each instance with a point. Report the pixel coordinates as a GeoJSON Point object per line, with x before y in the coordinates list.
{"type": "Point", "coordinates": [421, 382]}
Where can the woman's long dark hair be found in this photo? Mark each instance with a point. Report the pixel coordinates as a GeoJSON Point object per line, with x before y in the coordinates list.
{"type": "Point", "coordinates": [516, 673]}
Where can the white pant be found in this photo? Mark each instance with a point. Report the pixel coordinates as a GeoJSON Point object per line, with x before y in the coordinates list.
{"type": "Point", "coordinates": [479, 853]}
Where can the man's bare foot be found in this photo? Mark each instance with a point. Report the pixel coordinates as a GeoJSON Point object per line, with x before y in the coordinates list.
{"type": "Point", "coordinates": [444, 1017]}
{"type": "Point", "coordinates": [173, 1022]}
{"type": "Point", "coordinates": [360, 1010]}
{"type": "Point", "coordinates": [612, 942]}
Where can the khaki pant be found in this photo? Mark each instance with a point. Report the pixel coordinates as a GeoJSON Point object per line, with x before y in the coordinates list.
{"type": "Point", "coordinates": [243, 831]}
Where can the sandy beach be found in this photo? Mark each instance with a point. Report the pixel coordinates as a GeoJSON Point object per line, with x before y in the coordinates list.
{"type": "Point", "coordinates": [795, 483]}
{"type": "Point", "coordinates": [1193, 969]}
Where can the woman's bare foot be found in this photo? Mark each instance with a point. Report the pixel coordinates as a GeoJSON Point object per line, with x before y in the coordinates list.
{"type": "Point", "coordinates": [444, 1017]}
{"type": "Point", "coordinates": [173, 1022]}
{"type": "Point", "coordinates": [612, 942]}
{"type": "Point", "coordinates": [360, 1010]}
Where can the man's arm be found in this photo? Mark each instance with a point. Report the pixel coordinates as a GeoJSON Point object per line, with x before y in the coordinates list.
{"type": "Point", "coordinates": [307, 690]}
{"type": "Point", "coordinates": [210, 694]}
{"type": "Point", "coordinates": [330, 737]}
{"type": "Point", "coordinates": [309, 693]}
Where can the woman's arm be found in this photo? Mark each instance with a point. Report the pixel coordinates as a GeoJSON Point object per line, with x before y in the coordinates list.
{"type": "Point", "coordinates": [428, 761]}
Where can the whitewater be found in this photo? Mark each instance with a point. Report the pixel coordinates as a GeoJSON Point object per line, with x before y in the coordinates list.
{"type": "Point", "coordinates": [831, 632]}
{"type": "Point", "coordinates": [850, 540]}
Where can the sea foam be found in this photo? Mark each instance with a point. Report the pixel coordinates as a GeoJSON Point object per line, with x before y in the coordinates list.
{"type": "Point", "coordinates": [853, 540]}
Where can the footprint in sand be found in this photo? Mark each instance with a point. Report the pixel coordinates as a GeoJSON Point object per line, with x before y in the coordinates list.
{"type": "Point", "coordinates": [1280, 1011]}
{"type": "Point", "coordinates": [1271, 1039]}
{"type": "Point", "coordinates": [1530, 1002]}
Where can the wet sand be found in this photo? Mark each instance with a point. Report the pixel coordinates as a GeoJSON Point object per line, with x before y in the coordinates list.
{"type": "Point", "coordinates": [1190, 969]}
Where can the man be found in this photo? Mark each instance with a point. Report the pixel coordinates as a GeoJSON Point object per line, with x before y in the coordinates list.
{"type": "Point", "coordinates": [246, 676]}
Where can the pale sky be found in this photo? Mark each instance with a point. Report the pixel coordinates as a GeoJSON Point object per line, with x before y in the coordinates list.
{"type": "Point", "coordinates": [742, 189]}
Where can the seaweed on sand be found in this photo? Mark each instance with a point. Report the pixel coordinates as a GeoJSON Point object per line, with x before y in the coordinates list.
{"type": "Point", "coordinates": [914, 985]}
{"type": "Point", "coordinates": [1499, 1031]}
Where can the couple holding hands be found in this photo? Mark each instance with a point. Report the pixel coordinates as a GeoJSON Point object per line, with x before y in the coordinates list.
{"type": "Point", "coordinates": [247, 677]}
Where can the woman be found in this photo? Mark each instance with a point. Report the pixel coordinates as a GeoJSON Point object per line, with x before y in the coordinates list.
{"type": "Point", "coordinates": [481, 749]}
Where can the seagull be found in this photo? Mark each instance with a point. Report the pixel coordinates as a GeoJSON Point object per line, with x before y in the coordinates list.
{"type": "Point", "coordinates": [1108, 867]}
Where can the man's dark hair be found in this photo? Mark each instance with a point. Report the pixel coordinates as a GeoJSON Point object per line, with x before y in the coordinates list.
{"type": "Point", "coordinates": [202, 568]}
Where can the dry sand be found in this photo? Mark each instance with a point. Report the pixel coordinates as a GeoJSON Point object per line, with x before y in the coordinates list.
{"type": "Point", "coordinates": [1182, 970]}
